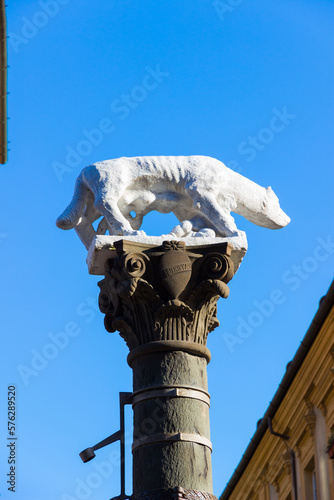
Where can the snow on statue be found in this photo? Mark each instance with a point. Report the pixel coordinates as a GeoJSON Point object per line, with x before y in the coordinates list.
{"type": "Point", "coordinates": [200, 191]}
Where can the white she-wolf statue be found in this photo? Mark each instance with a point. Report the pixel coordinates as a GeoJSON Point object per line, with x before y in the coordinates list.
{"type": "Point", "coordinates": [200, 191]}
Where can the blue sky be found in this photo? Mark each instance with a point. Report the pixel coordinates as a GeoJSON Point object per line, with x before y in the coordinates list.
{"type": "Point", "coordinates": [247, 82]}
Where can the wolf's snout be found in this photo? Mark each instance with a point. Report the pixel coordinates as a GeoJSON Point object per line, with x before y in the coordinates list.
{"type": "Point", "coordinates": [281, 219]}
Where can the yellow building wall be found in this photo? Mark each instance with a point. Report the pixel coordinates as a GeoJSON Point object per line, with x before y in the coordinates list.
{"type": "Point", "coordinates": [306, 415]}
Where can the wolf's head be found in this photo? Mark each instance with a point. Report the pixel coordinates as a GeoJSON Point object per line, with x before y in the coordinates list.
{"type": "Point", "coordinates": [271, 215]}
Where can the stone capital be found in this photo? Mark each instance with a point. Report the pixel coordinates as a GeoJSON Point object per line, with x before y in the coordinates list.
{"type": "Point", "coordinates": [165, 295]}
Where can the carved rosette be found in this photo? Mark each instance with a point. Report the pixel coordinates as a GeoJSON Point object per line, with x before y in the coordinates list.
{"type": "Point", "coordinates": [164, 293]}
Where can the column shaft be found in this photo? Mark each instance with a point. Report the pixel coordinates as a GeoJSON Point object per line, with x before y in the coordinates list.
{"type": "Point", "coordinates": [168, 464]}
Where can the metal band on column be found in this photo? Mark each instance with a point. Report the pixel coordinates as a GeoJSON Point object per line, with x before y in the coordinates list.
{"type": "Point", "coordinates": [179, 436]}
{"type": "Point", "coordinates": [170, 392]}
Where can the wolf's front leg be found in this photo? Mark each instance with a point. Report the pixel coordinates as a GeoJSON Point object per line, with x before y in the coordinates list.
{"type": "Point", "coordinates": [220, 218]}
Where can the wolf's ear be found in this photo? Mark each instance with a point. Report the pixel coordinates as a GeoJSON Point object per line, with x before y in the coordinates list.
{"type": "Point", "coordinates": [269, 197]}
{"type": "Point", "coordinates": [270, 194]}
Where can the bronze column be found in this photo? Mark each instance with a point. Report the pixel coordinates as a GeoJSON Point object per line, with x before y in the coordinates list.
{"type": "Point", "coordinates": [163, 302]}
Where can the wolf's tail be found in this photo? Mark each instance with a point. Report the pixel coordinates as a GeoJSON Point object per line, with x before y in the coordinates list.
{"type": "Point", "coordinates": [73, 212]}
